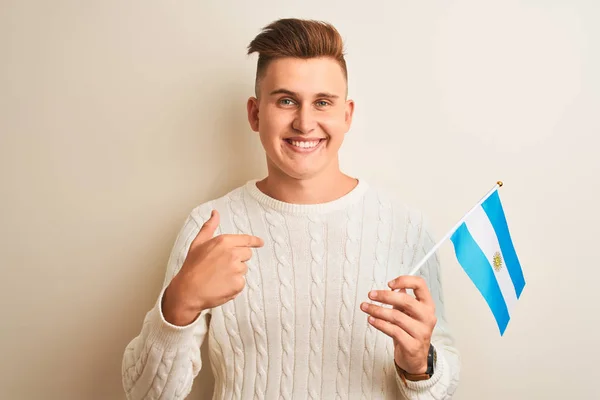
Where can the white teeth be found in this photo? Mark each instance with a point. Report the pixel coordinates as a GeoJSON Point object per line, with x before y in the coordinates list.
{"type": "Point", "coordinates": [305, 145]}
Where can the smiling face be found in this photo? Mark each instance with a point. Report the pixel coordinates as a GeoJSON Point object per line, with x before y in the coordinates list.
{"type": "Point", "coordinates": [302, 116]}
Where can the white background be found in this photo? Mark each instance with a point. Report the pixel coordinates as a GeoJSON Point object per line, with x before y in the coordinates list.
{"type": "Point", "coordinates": [118, 117]}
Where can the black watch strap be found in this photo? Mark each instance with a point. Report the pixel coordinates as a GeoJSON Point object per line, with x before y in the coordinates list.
{"type": "Point", "coordinates": [431, 360]}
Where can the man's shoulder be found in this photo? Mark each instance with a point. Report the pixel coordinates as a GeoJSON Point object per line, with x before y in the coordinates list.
{"type": "Point", "coordinates": [393, 200]}
{"type": "Point", "coordinates": [407, 217]}
{"type": "Point", "coordinates": [201, 212]}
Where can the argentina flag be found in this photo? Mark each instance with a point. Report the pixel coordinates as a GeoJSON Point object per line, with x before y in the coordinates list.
{"type": "Point", "coordinates": [484, 249]}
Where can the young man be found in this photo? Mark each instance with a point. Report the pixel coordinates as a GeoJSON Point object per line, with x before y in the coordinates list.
{"type": "Point", "coordinates": [291, 278]}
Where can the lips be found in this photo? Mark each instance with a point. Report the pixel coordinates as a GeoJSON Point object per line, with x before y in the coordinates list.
{"type": "Point", "coordinates": [304, 145]}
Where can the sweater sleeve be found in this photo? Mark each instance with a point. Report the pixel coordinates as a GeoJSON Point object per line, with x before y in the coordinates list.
{"type": "Point", "coordinates": [163, 360]}
{"type": "Point", "coordinates": [444, 381]}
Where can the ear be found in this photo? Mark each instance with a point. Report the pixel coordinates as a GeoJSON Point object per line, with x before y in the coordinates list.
{"type": "Point", "coordinates": [348, 113]}
{"type": "Point", "coordinates": [252, 108]}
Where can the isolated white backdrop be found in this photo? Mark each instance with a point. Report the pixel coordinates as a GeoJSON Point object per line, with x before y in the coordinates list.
{"type": "Point", "coordinates": [116, 118]}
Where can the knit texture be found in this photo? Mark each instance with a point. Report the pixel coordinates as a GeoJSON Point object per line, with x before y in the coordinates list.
{"type": "Point", "coordinates": [296, 330]}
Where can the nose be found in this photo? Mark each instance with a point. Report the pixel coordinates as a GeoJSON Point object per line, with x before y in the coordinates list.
{"type": "Point", "coordinates": [304, 120]}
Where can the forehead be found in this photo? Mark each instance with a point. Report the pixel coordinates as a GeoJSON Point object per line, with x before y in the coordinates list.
{"type": "Point", "coordinates": [304, 76]}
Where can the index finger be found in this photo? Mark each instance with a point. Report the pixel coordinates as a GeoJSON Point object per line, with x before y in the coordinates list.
{"type": "Point", "coordinates": [242, 240]}
{"type": "Point", "coordinates": [416, 283]}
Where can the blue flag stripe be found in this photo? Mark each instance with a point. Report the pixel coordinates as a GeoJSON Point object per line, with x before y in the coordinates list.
{"type": "Point", "coordinates": [493, 208]}
{"type": "Point", "coordinates": [478, 268]}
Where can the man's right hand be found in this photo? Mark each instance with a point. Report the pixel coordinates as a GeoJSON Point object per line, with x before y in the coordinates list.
{"type": "Point", "coordinates": [212, 274]}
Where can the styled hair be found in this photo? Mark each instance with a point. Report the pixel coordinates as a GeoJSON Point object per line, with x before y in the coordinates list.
{"type": "Point", "coordinates": [297, 38]}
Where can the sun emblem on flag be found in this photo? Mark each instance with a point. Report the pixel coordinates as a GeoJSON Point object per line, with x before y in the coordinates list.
{"type": "Point", "coordinates": [497, 261]}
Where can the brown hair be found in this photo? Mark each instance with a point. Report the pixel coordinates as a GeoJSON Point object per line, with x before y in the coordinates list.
{"type": "Point", "coordinates": [297, 38]}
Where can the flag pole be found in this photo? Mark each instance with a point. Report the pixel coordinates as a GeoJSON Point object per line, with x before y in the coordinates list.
{"type": "Point", "coordinates": [458, 224]}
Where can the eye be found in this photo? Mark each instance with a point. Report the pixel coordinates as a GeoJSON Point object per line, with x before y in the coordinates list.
{"type": "Point", "coordinates": [286, 102]}
{"type": "Point", "coordinates": [322, 103]}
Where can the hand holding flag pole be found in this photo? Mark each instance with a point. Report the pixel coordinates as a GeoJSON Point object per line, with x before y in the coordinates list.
{"type": "Point", "coordinates": [484, 249]}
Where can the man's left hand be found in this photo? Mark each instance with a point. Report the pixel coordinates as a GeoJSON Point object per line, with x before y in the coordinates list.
{"type": "Point", "coordinates": [409, 322]}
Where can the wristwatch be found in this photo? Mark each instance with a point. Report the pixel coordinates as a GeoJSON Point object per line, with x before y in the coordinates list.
{"type": "Point", "coordinates": [431, 360]}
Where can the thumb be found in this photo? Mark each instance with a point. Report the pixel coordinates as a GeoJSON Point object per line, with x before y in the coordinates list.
{"type": "Point", "coordinates": [208, 229]}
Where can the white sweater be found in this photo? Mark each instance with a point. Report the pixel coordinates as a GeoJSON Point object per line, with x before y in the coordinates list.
{"type": "Point", "coordinates": [296, 330]}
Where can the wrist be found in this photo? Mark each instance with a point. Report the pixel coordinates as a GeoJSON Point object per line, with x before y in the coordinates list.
{"type": "Point", "coordinates": [175, 309]}
{"type": "Point", "coordinates": [419, 371]}
{"type": "Point", "coordinates": [422, 373]}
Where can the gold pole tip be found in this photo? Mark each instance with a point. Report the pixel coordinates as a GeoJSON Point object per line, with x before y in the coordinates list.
{"type": "Point", "coordinates": [500, 183]}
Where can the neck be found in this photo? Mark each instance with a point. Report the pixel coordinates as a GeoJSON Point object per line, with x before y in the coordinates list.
{"type": "Point", "coordinates": [319, 189]}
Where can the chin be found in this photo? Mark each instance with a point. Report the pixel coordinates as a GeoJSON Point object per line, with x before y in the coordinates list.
{"type": "Point", "coordinates": [299, 174]}
{"type": "Point", "coordinates": [302, 172]}
{"type": "Point", "coordinates": [305, 169]}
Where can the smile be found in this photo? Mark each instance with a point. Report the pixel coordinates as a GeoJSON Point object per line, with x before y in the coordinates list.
{"type": "Point", "coordinates": [305, 145]}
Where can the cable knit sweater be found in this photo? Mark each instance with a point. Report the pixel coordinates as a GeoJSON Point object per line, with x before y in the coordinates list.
{"type": "Point", "coordinates": [296, 330]}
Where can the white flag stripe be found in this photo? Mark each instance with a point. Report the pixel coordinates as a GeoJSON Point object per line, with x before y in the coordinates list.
{"type": "Point", "coordinates": [483, 233]}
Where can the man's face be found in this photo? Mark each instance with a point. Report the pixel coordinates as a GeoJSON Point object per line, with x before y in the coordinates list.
{"type": "Point", "coordinates": [301, 115]}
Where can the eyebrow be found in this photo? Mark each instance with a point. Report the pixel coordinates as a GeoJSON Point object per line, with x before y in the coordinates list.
{"type": "Point", "coordinates": [294, 94]}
